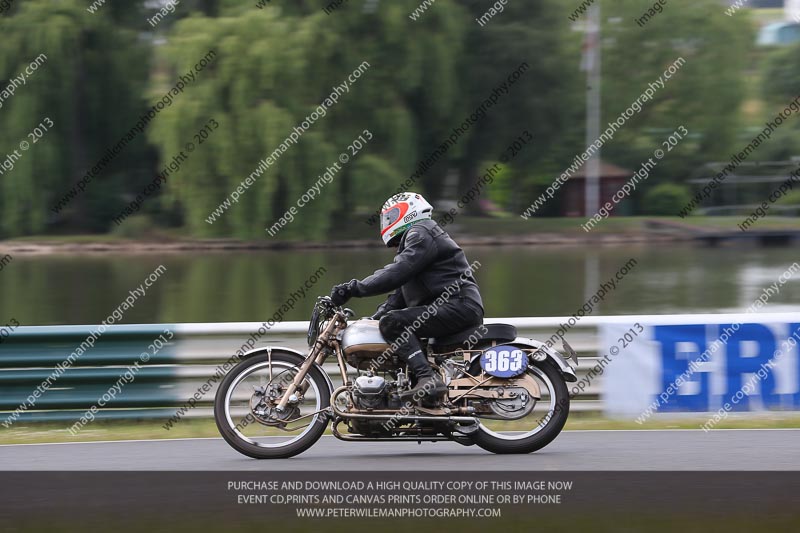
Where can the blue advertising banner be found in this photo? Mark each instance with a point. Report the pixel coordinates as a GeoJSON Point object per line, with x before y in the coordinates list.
{"type": "Point", "coordinates": [737, 364]}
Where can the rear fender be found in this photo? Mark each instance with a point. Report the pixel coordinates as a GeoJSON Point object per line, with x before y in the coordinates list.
{"type": "Point", "coordinates": [548, 353]}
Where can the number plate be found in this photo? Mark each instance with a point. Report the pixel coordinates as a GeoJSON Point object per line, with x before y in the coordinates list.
{"type": "Point", "coordinates": [504, 361]}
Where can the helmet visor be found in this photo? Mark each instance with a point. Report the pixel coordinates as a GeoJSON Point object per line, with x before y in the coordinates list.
{"type": "Point", "coordinates": [390, 216]}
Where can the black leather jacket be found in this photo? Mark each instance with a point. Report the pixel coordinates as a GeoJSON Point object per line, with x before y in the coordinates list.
{"type": "Point", "coordinates": [428, 261]}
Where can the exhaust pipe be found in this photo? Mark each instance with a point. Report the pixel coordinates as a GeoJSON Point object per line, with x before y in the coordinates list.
{"type": "Point", "coordinates": [395, 416]}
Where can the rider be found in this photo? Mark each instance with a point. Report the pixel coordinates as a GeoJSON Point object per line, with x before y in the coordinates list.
{"type": "Point", "coordinates": [428, 265]}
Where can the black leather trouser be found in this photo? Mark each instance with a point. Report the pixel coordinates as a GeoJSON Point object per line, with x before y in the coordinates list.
{"type": "Point", "coordinates": [402, 328]}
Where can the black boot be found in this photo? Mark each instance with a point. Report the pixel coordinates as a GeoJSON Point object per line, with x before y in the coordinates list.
{"type": "Point", "coordinates": [429, 387]}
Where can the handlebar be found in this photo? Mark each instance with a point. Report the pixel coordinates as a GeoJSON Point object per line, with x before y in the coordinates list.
{"type": "Point", "coordinates": [322, 312]}
{"type": "Point", "coordinates": [326, 300]}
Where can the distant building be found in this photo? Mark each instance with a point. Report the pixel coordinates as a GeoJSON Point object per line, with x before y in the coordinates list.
{"type": "Point", "coordinates": [612, 178]}
{"type": "Point", "coordinates": [779, 34]}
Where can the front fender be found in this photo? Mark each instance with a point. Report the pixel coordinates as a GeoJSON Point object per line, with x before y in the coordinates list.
{"type": "Point", "coordinates": [284, 350]}
{"type": "Point", "coordinates": [566, 370]}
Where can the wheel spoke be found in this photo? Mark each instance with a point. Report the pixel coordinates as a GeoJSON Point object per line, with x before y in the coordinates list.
{"type": "Point", "coordinates": [250, 405]}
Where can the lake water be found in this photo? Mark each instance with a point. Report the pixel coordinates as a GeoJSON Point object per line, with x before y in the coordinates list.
{"type": "Point", "coordinates": [529, 281]}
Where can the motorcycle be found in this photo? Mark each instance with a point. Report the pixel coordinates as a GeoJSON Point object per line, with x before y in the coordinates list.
{"type": "Point", "coordinates": [505, 393]}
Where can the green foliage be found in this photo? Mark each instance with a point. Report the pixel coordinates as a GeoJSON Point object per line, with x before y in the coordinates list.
{"type": "Point", "coordinates": [374, 178]}
{"type": "Point", "coordinates": [704, 95]}
{"type": "Point", "coordinates": [547, 100]}
{"type": "Point", "coordinates": [275, 65]}
{"type": "Point", "coordinates": [273, 70]}
{"type": "Point", "coordinates": [791, 198]}
{"type": "Point", "coordinates": [89, 86]}
{"type": "Point", "coordinates": [501, 187]}
{"type": "Point", "coordinates": [666, 199]}
{"type": "Point", "coordinates": [135, 227]}
{"type": "Point", "coordinates": [780, 82]}
{"type": "Point", "coordinates": [782, 75]}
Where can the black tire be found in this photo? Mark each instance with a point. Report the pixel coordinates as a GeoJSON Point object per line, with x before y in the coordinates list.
{"type": "Point", "coordinates": [551, 429]}
{"type": "Point", "coordinates": [315, 374]}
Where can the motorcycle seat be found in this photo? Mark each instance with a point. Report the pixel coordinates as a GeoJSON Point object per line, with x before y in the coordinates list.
{"type": "Point", "coordinates": [493, 332]}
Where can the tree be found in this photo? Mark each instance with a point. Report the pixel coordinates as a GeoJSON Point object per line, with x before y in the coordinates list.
{"type": "Point", "coordinates": [704, 95]}
{"type": "Point", "coordinates": [273, 70]}
{"type": "Point", "coordinates": [780, 84]}
{"type": "Point", "coordinates": [88, 83]}
{"type": "Point", "coordinates": [546, 100]}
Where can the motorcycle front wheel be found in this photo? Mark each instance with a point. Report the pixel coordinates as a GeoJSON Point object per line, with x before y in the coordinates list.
{"type": "Point", "coordinates": [248, 422]}
{"type": "Point", "coordinates": [537, 429]}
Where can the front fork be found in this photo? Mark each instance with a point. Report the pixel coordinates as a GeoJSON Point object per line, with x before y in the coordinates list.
{"type": "Point", "coordinates": [317, 355]}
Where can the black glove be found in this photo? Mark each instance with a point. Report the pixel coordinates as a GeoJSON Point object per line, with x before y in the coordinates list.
{"type": "Point", "coordinates": [343, 292]}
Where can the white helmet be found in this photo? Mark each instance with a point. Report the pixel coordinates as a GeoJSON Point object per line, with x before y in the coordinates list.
{"type": "Point", "coordinates": [399, 212]}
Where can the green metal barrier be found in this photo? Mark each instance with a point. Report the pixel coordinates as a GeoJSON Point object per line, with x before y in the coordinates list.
{"type": "Point", "coordinates": [28, 357]}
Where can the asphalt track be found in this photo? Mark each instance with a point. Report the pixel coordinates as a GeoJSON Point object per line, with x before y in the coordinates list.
{"type": "Point", "coordinates": [681, 450]}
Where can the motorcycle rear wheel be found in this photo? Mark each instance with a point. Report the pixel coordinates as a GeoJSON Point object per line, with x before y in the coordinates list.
{"type": "Point", "coordinates": [548, 427]}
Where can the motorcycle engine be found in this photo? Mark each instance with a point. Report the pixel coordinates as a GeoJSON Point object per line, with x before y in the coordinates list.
{"type": "Point", "coordinates": [370, 392]}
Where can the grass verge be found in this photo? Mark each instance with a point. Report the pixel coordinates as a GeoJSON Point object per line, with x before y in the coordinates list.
{"type": "Point", "coordinates": [204, 428]}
